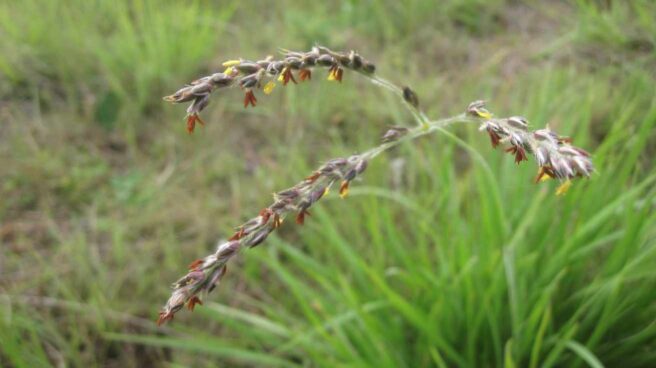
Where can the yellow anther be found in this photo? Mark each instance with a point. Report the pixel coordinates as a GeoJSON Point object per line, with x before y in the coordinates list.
{"type": "Point", "coordinates": [343, 193]}
{"type": "Point", "coordinates": [230, 63]}
{"type": "Point", "coordinates": [484, 114]}
{"type": "Point", "coordinates": [563, 188]}
{"type": "Point", "coordinates": [268, 88]}
{"type": "Point", "coordinates": [281, 77]}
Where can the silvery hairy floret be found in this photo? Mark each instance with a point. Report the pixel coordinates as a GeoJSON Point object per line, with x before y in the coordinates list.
{"type": "Point", "coordinates": [199, 104]}
{"type": "Point", "coordinates": [546, 135]}
{"type": "Point", "coordinates": [227, 250]}
{"type": "Point", "coordinates": [517, 122]}
{"type": "Point", "coordinates": [555, 156]}
{"type": "Point", "coordinates": [394, 133]}
{"type": "Point", "coordinates": [477, 109]}
{"type": "Point", "coordinates": [258, 237]}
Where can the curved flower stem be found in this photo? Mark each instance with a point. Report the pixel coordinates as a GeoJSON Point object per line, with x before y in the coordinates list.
{"type": "Point", "coordinates": [419, 116]}
{"type": "Point", "coordinates": [416, 132]}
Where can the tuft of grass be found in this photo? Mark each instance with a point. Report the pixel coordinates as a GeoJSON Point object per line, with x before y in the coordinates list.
{"type": "Point", "coordinates": [108, 56]}
{"type": "Point", "coordinates": [617, 26]}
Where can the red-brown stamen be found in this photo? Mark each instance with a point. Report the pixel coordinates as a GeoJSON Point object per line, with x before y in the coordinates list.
{"type": "Point", "coordinates": [305, 74]}
{"type": "Point", "coordinates": [249, 98]}
{"type": "Point", "coordinates": [544, 171]}
{"type": "Point", "coordinates": [238, 235]}
{"type": "Point", "coordinates": [163, 317]}
{"type": "Point", "coordinates": [191, 122]}
{"type": "Point", "coordinates": [191, 304]}
{"type": "Point", "coordinates": [335, 73]}
{"type": "Point", "coordinates": [313, 177]}
{"type": "Point", "coordinates": [339, 74]}
{"type": "Point", "coordinates": [520, 154]}
{"type": "Point", "coordinates": [495, 139]}
{"type": "Point", "coordinates": [266, 213]}
{"type": "Point", "coordinates": [300, 218]}
{"type": "Point", "coordinates": [287, 76]}
{"type": "Point", "coordinates": [195, 264]}
{"type": "Point", "coordinates": [343, 188]}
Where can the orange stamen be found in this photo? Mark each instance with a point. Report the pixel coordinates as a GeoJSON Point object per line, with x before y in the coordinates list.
{"type": "Point", "coordinates": [338, 74]}
{"type": "Point", "coordinates": [266, 214]}
{"type": "Point", "coordinates": [305, 74]}
{"type": "Point", "coordinates": [249, 98]}
{"type": "Point", "coordinates": [277, 221]}
{"type": "Point", "coordinates": [163, 317]}
{"type": "Point", "coordinates": [191, 122]}
{"type": "Point", "coordinates": [195, 264]}
{"type": "Point", "coordinates": [313, 177]}
{"type": "Point", "coordinates": [300, 218]}
{"type": "Point", "coordinates": [287, 76]}
{"type": "Point", "coordinates": [191, 304]}
{"type": "Point", "coordinates": [343, 188]}
{"type": "Point", "coordinates": [494, 138]}
{"type": "Point", "coordinates": [238, 235]}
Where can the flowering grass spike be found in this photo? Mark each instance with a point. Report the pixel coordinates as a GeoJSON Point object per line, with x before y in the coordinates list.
{"type": "Point", "coordinates": [262, 74]}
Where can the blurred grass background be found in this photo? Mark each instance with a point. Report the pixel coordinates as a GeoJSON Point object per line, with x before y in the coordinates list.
{"type": "Point", "coordinates": [445, 255]}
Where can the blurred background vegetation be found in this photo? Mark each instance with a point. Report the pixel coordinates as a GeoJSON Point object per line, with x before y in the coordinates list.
{"type": "Point", "coordinates": [445, 255]}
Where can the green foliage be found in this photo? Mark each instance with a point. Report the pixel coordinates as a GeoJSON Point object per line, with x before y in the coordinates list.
{"type": "Point", "coordinates": [125, 50]}
{"type": "Point", "coordinates": [620, 27]}
{"type": "Point", "coordinates": [445, 255]}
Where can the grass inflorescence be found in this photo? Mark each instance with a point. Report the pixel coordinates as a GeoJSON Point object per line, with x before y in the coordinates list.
{"type": "Point", "coordinates": [555, 156]}
{"type": "Point", "coordinates": [262, 74]}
